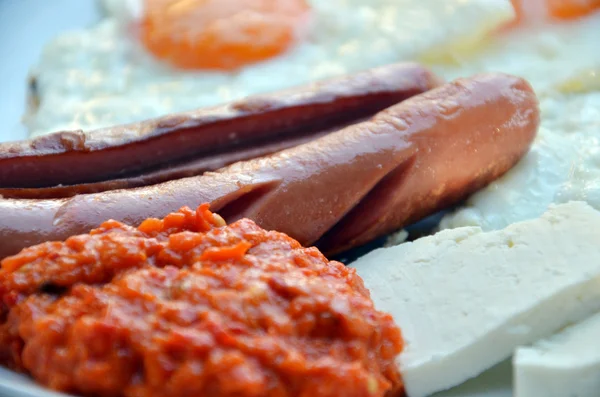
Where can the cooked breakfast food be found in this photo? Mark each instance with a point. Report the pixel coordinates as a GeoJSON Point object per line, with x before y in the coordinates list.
{"type": "Point", "coordinates": [466, 299]}
{"type": "Point", "coordinates": [160, 300]}
{"type": "Point", "coordinates": [188, 144]}
{"type": "Point", "coordinates": [128, 67]}
{"type": "Point", "coordinates": [186, 306]}
{"type": "Point", "coordinates": [407, 162]}
{"type": "Point", "coordinates": [565, 364]}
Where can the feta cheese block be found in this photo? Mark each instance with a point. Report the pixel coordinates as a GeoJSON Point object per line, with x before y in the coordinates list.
{"type": "Point", "coordinates": [564, 365]}
{"type": "Point", "coordinates": [465, 299]}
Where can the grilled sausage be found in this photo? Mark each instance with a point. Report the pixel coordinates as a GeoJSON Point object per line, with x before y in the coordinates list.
{"type": "Point", "coordinates": [200, 137]}
{"type": "Point", "coordinates": [166, 173]}
{"type": "Point", "coordinates": [341, 190]}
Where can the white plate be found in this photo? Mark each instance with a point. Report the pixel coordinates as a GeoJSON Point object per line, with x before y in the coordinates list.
{"type": "Point", "coordinates": [30, 24]}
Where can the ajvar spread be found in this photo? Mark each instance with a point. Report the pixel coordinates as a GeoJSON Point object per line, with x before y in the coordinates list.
{"type": "Point", "coordinates": [187, 306]}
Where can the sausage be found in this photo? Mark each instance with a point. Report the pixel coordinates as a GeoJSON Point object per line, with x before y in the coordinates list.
{"type": "Point", "coordinates": [341, 190]}
{"type": "Point", "coordinates": [177, 171]}
{"type": "Point", "coordinates": [75, 157]}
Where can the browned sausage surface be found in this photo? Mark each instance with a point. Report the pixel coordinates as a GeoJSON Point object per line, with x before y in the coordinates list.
{"type": "Point", "coordinates": [341, 190]}
{"type": "Point", "coordinates": [76, 157]}
{"type": "Point", "coordinates": [168, 172]}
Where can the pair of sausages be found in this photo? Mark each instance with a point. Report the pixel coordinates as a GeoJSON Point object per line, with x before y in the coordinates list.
{"type": "Point", "coordinates": [340, 190]}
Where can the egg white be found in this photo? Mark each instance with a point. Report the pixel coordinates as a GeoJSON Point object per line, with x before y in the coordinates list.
{"type": "Point", "coordinates": [546, 55]}
{"type": "Point", "coordinates": [101, 76]}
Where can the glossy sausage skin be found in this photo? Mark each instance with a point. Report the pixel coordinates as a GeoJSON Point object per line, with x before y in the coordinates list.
{"type": "Point", "coordinates": [130, 151]}
{"type": "Point", "coordinates": [168, 172]}
{"type": "Point", "coordinates": [341, 190]}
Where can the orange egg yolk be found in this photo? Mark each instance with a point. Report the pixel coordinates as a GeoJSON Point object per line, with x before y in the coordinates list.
{"type": "Point", "coordinates": [220, 34]}
{"type": "Point", "coordinates": [556, 9]}
{"type": "Point", "coordinates": [568, 9]}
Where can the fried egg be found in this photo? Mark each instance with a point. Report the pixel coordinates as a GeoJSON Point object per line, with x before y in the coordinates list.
{"type": "Point", "coordinates": [148, 58]}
